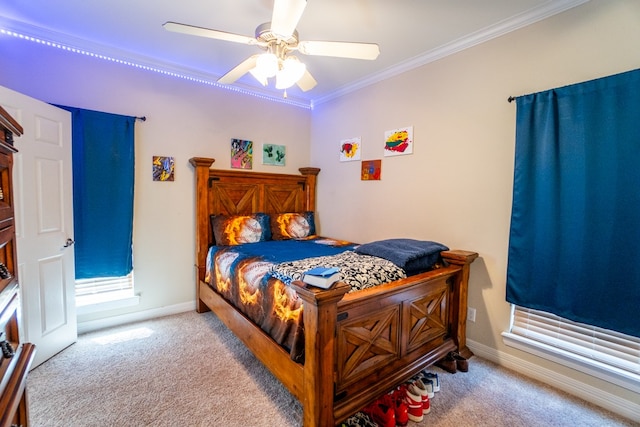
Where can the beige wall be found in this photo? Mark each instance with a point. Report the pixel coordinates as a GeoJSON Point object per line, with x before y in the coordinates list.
{"type": "Point", "coordinates": [457, 186]}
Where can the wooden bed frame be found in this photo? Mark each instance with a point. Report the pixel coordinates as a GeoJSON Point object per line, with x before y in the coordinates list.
{"type": "Point", "coordinates": [357, 345]}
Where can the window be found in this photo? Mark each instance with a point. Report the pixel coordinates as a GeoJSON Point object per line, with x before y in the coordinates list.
{"type": "Point", "coordinates": [92, 291]}
{"type": "Point", "coordinates": [103, 182]}
{"type": "Point", "coordinates": [574, 228]}
{"type": "Point", "coordinates": [106, 293]}
{"type": "Point", "coordinates": [603, 353]}
{"type": "Point", "coordinates": [573, 243]}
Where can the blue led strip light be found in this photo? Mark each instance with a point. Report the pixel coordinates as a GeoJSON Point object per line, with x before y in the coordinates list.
{"type": "Point", "coordinates": [153, 69]}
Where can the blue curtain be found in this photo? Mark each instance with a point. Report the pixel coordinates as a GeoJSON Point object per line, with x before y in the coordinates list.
{"type": "Point", "coordinates": [574, 247]}
{"type": "Point", "coordinates": [103, 179]}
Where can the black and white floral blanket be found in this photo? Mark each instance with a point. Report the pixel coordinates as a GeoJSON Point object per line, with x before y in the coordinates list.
{"type": "Point", "coordinates": [358, 271]}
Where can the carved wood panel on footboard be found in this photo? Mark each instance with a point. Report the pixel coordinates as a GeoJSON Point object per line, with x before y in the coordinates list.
{"type": "Point", "coordinates": [386, 336]}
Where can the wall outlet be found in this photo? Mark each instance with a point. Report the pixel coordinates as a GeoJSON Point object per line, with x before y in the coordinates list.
{"type": "Point", "coordinates": [471, 314]}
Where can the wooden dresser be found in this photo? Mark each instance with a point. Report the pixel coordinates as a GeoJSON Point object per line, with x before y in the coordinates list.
{"type": "Point", "coordinates": [15, 356]}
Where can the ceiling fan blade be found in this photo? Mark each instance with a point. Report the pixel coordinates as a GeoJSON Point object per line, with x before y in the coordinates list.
{"type": "Point", "coordinates": [340, 49]}
{"type": "Point", "coordinates": [206, 32]}
{"type": "Point", "coordinates": [239, 71]}
{"type": "Point", "coordinates": [306, 82]}
{"type": "Point", "coordinates": [286, 15]}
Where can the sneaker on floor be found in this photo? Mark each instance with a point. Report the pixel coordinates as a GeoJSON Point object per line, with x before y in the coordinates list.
{"type": "Point", "coordinates": [424, 384]}
{"type": "Point", "coordinates": [359, 419]}
{"type": "Point", "coordinates": [434, 379]}
{"type": "Point", "coordinates": [421, 389]}
{"type": "Point", "coordinates": [413, 400]}
{"type": "Point", "coordinates": [399, 407]}
{"type": "Point", "coordinates": [382, 412]}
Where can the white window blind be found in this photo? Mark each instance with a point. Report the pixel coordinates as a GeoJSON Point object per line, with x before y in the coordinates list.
{"type": "Point", "coordinates": [601, 345]}
{"type": "Point", "coordinates": [103, 285]}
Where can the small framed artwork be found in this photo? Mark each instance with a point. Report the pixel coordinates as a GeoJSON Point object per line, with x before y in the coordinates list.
{"type": "Point", "coordinates": [398, 142]}
{"type": "Point", "coordinates": [273, 155]}
{"type": "Point", "coordinates": [371, 170]}
{"type": "Point", "coordinates": [350, 149]}
{"type": "Point", "coordinates": [241, 154]}
{"type": "Point", "coordinates": [163, 168]}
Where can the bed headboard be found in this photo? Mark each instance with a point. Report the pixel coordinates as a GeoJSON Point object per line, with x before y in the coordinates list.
{"type": "Point", "coordinates": [231, 192]}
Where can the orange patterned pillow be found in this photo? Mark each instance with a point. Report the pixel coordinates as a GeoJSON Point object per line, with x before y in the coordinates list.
{"type": "Point", "coordinates": [286, 226]}
{"type": "Point", "coordinates": [229, 230]}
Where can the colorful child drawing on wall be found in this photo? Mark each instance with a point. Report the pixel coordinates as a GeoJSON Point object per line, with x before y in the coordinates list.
{"type": "Point", "coordinates": [241, 154]}
{"type": "Point", "coordinates": [350, 149]}
{"type": "Point", "coordinates": [163, 168]}
{"type": "Point", "coordinates": [371, 170]}
{"type": "Point", "coordinates": [273, 154]}
{"type": "Point", "coordinates": [398, 141]}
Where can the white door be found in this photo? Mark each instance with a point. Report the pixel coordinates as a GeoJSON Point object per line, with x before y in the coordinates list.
{"type": "Point", "coordinates": [43, 201]}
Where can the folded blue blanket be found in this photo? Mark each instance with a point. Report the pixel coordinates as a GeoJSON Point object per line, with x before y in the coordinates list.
{"type": "Point", "coordinates": [413, 256]}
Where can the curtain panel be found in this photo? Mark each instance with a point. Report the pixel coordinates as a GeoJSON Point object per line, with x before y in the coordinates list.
{"type": "Point", "coordinates": [574, 245]}
{"type": "Point", "coordinates": [103, 181]}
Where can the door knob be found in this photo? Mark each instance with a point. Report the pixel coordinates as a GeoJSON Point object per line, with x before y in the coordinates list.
{"type": "Point", "coordinates": [69, 243]}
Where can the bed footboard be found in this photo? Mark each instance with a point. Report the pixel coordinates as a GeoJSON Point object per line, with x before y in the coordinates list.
{"type": "Point", "coordinates": [363, 344]}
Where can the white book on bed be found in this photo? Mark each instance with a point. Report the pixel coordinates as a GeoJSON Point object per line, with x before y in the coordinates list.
{"type": "Point", "coordinates": [321, 277]}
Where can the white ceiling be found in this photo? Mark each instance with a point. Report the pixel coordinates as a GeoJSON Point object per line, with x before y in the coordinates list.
{"type": "Point", "coordinates": [410, 33]}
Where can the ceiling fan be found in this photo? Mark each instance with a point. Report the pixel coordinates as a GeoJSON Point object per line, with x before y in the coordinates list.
{"type": "Point", "coordinates": [279, 38]}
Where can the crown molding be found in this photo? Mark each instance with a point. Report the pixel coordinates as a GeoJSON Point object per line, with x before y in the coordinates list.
{"type": "Point", "coordinates": [516, 22]}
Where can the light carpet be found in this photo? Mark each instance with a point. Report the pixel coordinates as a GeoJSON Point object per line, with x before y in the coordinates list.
{"type": "Point", "coordinates": [189, 370]}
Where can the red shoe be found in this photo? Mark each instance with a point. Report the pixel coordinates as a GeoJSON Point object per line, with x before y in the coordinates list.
{"type": "Point", "coordinates": [425, 383]}
{"type": "Point", "coordinates": [382, 413]}
{"type": "Point", "coordinates": [394, 399]}
{"type": "Point", "coordinates": [422, 389]}
{"type": "Point", "coordinates": [413, 400]}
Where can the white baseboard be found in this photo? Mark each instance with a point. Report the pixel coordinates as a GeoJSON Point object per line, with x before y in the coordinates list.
{"type": "Point", "coordinates": [94, 325]}
{"type": "Point", "coordinates": [569, 385]}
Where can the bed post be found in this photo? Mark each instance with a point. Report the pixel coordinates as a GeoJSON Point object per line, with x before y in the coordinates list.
{"type": "Point", "coordinates": [311, 175]}
{"type": "Point", "coordinates": [202, 166]}
{"type": "Point", "coordinates": [320, 317]}
{"type": "Point", "coordinates": [463, 259]}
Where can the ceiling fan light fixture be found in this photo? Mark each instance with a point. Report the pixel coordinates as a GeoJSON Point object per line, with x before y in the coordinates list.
{"type": "Point", "coordinates": [267, 65]}
{"type": "Point", "coordinates": [292, 70]}
{"type": "Point", "coordinates": [255, 72]}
